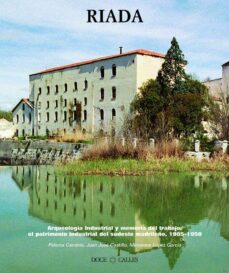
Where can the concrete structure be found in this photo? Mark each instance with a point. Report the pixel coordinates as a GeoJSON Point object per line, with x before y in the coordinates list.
{"type": "Point", "coordinates": [7, 129]}
{"type": "Point", "coordinates": [38, 152]}
{"type": "Point", "coordinates": [92, 96]}
{"type": "Point", "coordinates": [220, 86]}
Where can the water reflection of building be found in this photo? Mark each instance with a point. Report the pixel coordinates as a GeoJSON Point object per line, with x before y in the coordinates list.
{"type": "Point", "coordinates": [178, 200]}
{"type": "Point", "coordinates": [83, 201]}
{"type": "Point", "coordinates": [23, 176]}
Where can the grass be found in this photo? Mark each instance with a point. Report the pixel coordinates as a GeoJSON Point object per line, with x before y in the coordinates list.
{"type": "Point", "coordinates": [113, 158]}
{"type": "Point", "coordinates": [141, 167]}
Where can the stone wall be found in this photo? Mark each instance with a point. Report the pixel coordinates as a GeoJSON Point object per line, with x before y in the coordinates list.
{"type": "Point", "coordinates": [37, 152]}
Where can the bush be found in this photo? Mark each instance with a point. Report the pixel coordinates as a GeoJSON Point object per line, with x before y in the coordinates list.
{"type": "Point", "coordinates": [77, 137]}
{"type": "Point", "coordinates": [6, 115]}
{"type": "Point", "coordinates": [114, 150]}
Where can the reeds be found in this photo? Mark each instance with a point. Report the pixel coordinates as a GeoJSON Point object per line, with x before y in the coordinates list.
{"type": "Point", "coordinates": [114, 150]}
{"type": "Point", "coordinates": [76, 137]}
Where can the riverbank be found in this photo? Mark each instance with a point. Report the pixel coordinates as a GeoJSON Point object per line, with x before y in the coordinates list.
{"type": "Point", "coordinates": [141, 167]}
{"type": "Point", "coordinates": [38, 152]}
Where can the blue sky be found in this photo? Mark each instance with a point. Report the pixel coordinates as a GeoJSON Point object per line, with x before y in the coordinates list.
{"type": "Point", "coordinates": [35, 35]}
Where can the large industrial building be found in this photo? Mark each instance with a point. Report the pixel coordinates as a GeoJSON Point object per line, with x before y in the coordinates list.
{"type": "Point", "coordinates": [93, 96]}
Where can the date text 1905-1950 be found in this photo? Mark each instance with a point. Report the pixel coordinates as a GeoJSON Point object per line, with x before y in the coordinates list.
{"type": "Point", "coordinates": [120, 16]}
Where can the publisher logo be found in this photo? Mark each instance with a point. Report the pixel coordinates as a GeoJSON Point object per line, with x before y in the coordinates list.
{"type": "Point", "coordinates": [128, 259]}
{"type": "Point", "coordinates": [112, 260]}
{"type": "Point", "coordinates": [99, 259]}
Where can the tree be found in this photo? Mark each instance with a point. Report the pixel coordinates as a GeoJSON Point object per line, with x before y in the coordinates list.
{"type": "Point", "coordinates": [147, 105]}
{"type": "Point", "coordinates": [174, 104]}
{"type": "Point", "coordinates": [6, 115]}
{"type": "Point", "coordinates": [189, 109]}
{"type": "Point", "coordinates": [172, 73]}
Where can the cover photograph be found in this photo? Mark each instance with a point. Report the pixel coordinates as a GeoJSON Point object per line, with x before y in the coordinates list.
{"type": "Point", "coordinates": [114, 136]}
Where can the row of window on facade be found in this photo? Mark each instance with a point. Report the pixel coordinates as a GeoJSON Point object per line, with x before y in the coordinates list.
{"type": "Point", "coordinates": [113, 94]}
{"type": "Point", "coordinates": [113, 71]}
{"type": "Point", "coordinates": [23, 118]}
{"type": "Point", "coordinates": [65, 88]}
{"type": "Point", "coordinates": [102, 116]}
{"type": "Point", "coordinates": [102, 74]}
{"type": "Point", "coordinates": [85, 99]}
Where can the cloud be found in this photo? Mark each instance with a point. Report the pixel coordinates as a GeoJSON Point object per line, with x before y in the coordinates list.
{"type": "Point", "coordinates": [42, 34]}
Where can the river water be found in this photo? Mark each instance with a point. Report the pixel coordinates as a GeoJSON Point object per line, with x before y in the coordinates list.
{"type": "Point", "coordinates": [34, 200]}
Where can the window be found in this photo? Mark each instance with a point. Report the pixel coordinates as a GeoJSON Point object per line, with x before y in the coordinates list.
{"type": "Point", "coordinates": [57, 89]}
{"type": "Point", "coordinates": [39, 92]}
{"type": "Point", "coordinates": [48, 90]}
{"type": "Point", "coordinates": [75, 115]}
{"type": "Point", "coordinates": [23, 132]}
{"type": "Point", "coordinates": [85, 115]}
{"type": "Point", "coordinates": [39, 117]}
{"type": "Point", "coordinates": [85, 101]}
{"type": "Point", "coordinates": [47, 105]}
{"type": "Point", "coordinates": [102, 72]}
{"type": "Point", "coordinates": [101, 133]}
{"type": "Point", "coordinates": [23, 118]}
{"type": "Point", "coordinates": [23, 107]}
{"type": "Point", "coordinates": [30, 117]}
{"type": "Point", "coordinates": [101, 207]}
{"type": "Point", "coordinates": [56, 117]}
{"type": "Point", "coordinates": [47, 133]}
{"type": "Point", "coordinates": [85, 85]}
{"type": "Point", "coordinates": [65, 103]}
{"type": "Point", "coordinates": [101, 94]}
{"type": "Point", "coordinates": [75, 102]}
{"type": "Point", "coordinates": [113, 114]}
{"type": "Point", "coordinates": [65, 87]}
{"type": "Point", "coordinates": [47, 117]}
{"type": "Point", "coordinates": [101, 114]}
{"type": "Point", "coordinates": [112, 210]}
{"type": "Point", "coordinates": [65, 115]}
{"type": "Point", "coordinates": [75, 86]}
{"type": "Point", "coordinates": [113, 93]}
{"type": "Point", "coordinates": [17, 118]}
{"type": "Point", "coordinates": [56, 103]}
{"type": "Point", "coordinates": [114, 70]}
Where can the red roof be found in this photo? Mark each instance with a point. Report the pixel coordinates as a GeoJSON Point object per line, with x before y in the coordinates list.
{"type": "Point", "coordinates": [138, 51]}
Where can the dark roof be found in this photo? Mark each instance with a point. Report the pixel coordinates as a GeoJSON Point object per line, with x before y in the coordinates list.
{"type": "Point", "coordinates": [24, 100]}
{"type": "Point", "coordinates": [138, 51]}
{"type": "Point", "coordinates": [225, 64]}
{"type": "Point", "coordinates": [212, 80]}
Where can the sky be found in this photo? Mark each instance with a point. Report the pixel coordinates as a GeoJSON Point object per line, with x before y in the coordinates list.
{"type": "Point", "coordinates": [35, 35]}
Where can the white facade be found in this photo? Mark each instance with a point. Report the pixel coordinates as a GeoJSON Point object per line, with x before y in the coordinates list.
{"type": "Point", "coordinates": [92, 96]}
{"type": "Point", "coordinates": [23, 118]}
{"type": "Point", "coordinates": [219, 87]}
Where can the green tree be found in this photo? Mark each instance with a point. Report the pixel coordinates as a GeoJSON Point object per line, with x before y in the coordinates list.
{"type": "Point", "coordinates": [6, 115]}
{"type": "Point", "coordinates": [147, 104]}
{"type": "Point", "coordinates": [175, 104]}
{"type": "Point", "coordinates": [172, 73]}
{"type": "Point", "coordinates": [189, 108]}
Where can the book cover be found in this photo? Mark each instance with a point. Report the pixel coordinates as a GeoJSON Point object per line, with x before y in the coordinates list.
{"type": "Point", "coordinates": [114, 129]}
